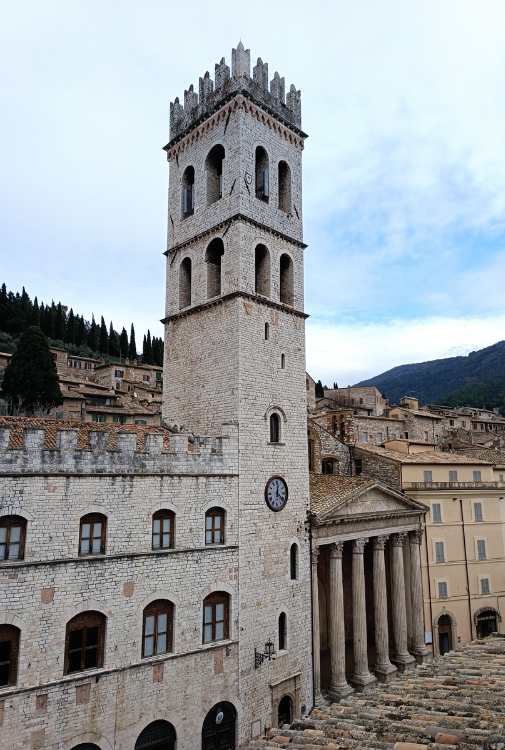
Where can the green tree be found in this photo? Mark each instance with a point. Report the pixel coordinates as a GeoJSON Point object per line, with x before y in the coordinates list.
{"type": "Point", "coordinates": [123, 344]}
{"type": "Point", "coordinates": [30, 383]}
{"type": "Point", "coordinates": [103, 344]}
{"type": "Point", "coordinates": [132, 349]}
{"type": "Point", "coordinates": [114, 349]}
{"type": "Point", "coordinates": [93, 334]}
{"type": "Point", "coordinates": [147, 349]}
{"type": "Point", "coordinates": [35, 316]}
{"type": "Point", "coordinates": [70, 328]}
{"type": "Point", "coordinates": [319, 389]}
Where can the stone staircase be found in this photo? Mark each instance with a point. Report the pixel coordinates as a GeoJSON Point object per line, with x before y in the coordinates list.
{"type": "Point", "coordinates": [454, 702]}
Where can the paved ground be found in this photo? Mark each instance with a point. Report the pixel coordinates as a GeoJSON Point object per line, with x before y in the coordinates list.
{"type": "Point", "coordinates": [456, 701]}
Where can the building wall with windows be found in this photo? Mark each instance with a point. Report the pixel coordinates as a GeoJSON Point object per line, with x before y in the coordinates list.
{"type": "Point", "coordinates": [50, 480]}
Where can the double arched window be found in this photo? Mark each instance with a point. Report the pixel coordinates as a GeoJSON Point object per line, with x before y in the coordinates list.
{"type": "Point", "coordinates": [163, 534]}
{"type": "Point", "coordinates": [262, 180]}
{"type": "Point", "coordinates": [158, 628]}
{"type": "Point", "coordinates": [185, 283]}
{"type": "Point", "coordinates": [284, 187]}
{"type": "Point", "coordinates": [213, 256]}
{"type": "Point", "coordinates": [85, 642]}
{"type": "Point", "coordinates": [216, 617]}
{"type": "Point", "coordinates": [214, 526]}
{"type": "Point", "coordinates": [187, 197]}
{"type": "Point", "coordinates": [92, 534]}
{"type": "Point", "coordinates": [12, 538]}
{"type": "Point", "coordinates": [214, 170]}
{"type": "Point", "coordinates": [9, 653]}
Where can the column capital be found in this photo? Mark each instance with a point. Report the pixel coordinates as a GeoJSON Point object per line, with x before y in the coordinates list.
{"type": "Point", "coordinates": [358, 546]}
{"type": "Point", "coordinates": [336, 550]}
{"type": "Point", "coordinates": [415, 537]}
{"type": "Point", "coordinates": [379, 542]}
{"type": "Point", "coordinates": [398, 540]}
{"type": "Point", "coordinates": [314, 555]}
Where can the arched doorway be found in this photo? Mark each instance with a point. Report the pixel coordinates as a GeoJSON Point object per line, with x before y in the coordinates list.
{"type": "Point", "coordinates": [86, 746]}
{"type": "Point", "coordinates": [486, 622]}
{"type": "Point", "coordinates": [444, 634]}
{"type": "Point", "coordinates": [285, 711]}
{"type": "Point", "coordinates": [219, 728]}
{"type": "Point", "coordinates": [159, 735]}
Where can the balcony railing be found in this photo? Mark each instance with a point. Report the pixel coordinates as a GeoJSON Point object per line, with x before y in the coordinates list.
{"type": "Point", "coordinates": [483, 485]}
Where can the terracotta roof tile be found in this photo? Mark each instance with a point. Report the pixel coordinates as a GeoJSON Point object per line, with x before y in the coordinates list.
{"type": "Point", "coordinates": [426, 457]}
{"type": "Point", "coordinates": [329, 491]}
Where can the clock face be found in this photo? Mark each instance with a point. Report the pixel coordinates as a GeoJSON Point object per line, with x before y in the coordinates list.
{"type": "Point", "coordinates": [276, 493]}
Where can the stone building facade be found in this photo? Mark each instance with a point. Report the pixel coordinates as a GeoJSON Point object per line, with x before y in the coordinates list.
{"type": "Point", "coordinates": [155, 585]}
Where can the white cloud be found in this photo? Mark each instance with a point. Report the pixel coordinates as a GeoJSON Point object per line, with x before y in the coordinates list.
{"type": "Point", "coordinates": [349, 353]}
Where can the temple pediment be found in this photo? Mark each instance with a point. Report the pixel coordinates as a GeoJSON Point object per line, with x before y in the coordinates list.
{"type": "Point", "coordinates": [335, 497]}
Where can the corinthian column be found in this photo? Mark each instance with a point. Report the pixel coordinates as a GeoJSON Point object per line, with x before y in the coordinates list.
{"type": "Point", "coordinates": [361, 676]}
{"type": "Point", "coordinates": [383, 666]}
{"type": "Point", "coordinates": [408, 595]}
{"type": "Point", "coordinates": [419, 646]}
{"type": "Point", "coordinates": [398, 610]}
{"type": "Point", "coordinates": [339, 687]}
{"type": "Point", "coordinates": [316, 637]}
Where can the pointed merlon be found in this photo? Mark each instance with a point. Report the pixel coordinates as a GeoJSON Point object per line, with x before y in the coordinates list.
{"type": "Point", "coordinates": [221, 74]}
{"type": "Point", "coordinates": [240, 62]}
{"type": "Point", "coordinates": [206, 87]}
{"type": "Point", "coordinates": [277, 87]}
{"type": "Point", "coordinates": [260, 74]}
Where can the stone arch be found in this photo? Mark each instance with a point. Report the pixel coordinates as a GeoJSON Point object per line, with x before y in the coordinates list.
{"type": "Point", "coordinates": [219, 728]}
{"type": "Point", "coordinates": [284, 186]}
{"type": "Point", "coordinates": [213, 258]}
{"type": "Point", "coordinates": [185, 283]}
{"type": "Point", "coordinates": [88, 739]}
{"type": "Point", "coordinates": [187, 191]}
{"type": "Point", "coordinates": [261, 172]}
{"type": "Point", "coordinates": [262, 270]}
{"type": "Point", "coordinates": [285, 710]}
{"type": "Point", "coordinates": [214, 172]}
{"type": "Point", "coordinates": [486, 621]}
{"type": "Point", "coordinates": [286, 279]}
{"type": "Point", "coordinates": [436, 633]}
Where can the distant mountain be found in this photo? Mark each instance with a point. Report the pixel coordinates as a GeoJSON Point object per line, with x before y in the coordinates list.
{"type": "Point", "coordinates": [476, 380]}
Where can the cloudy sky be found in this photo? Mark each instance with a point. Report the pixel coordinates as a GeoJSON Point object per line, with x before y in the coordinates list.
{"type": "Point", "coordinates": [404, 169]}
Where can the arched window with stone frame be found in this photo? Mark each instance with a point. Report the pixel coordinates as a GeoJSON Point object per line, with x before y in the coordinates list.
{"type": "Point", "coordinates": [262, 177]}
{"type": "Point", "coordinates": [12, 538]}
{"type": "Point", "coordinates": [215, 521]}
{"type": "Point", "coordinates": [9, 654]}
{"type": "Point", "coordinates": [213, 259]}
{"type": "Point", "coordinates": [216, 617]}
{"type": "Point", "coordinates": [286, 280]}
{"type": "Point", "coordinates": [92, 534]}
{"type": "Point", "coordinates": [185, 283]}
{"type": "Point", "coordinates": [163, 531]}
{"type": "Point", "coordinates": [275, 427]}
{"type": "Point", "coordinates": [214, 171]}
{"type": "Point", "coordinates": [284, 187]}
{"type": "Point", "coordinates": [262, 270]}
{"type": "Point", "coordinates": [283, 632]}
{"type": "Point", "coordinates": [158, 628]}
{"type": "Point", "coordinates": [293, 562]}
{"type": "Point", "coordinates": [85, 642]}
{"type": "Point", "coordinates": [187, 192]}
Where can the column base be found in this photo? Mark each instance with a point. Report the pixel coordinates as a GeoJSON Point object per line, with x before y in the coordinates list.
{"type": "Point", "coordinates": [320, 701]}
{"type": "Point", "coordinates": [385, 672]}
{"type": "Point", "coordinates": [404, 661]}
{"type": "Point", "coordinates": [337, 692]}
{"type": "Point", "coordinates": [361, 681]}
{"type": "Point", "coordinates": [422, 655]}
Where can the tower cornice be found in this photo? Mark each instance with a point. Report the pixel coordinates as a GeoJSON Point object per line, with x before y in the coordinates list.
{"type": "Point", "coordinates": [233, 295]}
{"type": "Point", "coordinates": [227, 223]}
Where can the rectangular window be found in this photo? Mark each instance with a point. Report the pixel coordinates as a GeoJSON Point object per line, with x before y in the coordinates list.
{"type": "Point", "coordinates": [436, 513]}
{"type": "Point", "coordinates": [119, 419]}
{"type": "Point", "coordinates": [119, 373]}
{"type": "Point", "coordinates": [481, 549]}
{"type": "Point", "coordinates": [98, 417]}
{"type": "Point", "coordinates": [485, 588]}
{"type": "Point", "coordinates": [428, 477]}
{"type": "Point", "coordinates": [443, 592]}
{"type": "Point", "coordinates": [477, 512]}
{"type": "Point", "coordinates": [379, 437]}
{"type": "Point", "coordinates": [146, 378]}
{"type": "Point", "coordinates": [453, 476]}
{"type": "Point", "coordinates": [439, 552]}
{"type": "Point", "coordinates": [476, 476]}
{"type": "Point", "coordinates": [364, 437]}
{"type": "Point", "coordinates": [141, 421]}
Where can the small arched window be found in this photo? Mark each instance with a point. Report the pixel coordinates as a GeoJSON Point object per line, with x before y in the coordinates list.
{"type": "Point", "coordinates": [187, 198]}
{"type": "Point", "coordinates": [283, 635]}
{"type": "Point", "coordinates": [158, 628]}
{"type": "Point", "coordinates": [286, 279]}
{"type": "Point", "coordinates": [214, 526]}
{"type": "Point", "coordinates": [9, 653]}
{"type": "Point", "coordinates": [328, 466]}
{"type": "Point", "coordinates": [293, 562]}
{"type": "Point", "coordinates": [283, 361]}
{"type": "Point", "coordinates": [275, 428]}
{"type": "Point", "coordinates": [92, 534]}
{"type": "Point", "coordinates": [213, 256]}
{"type": "Point", "coordinates": [163, 536]}
{"type": "Point", "coordinates": [261, 174]}
{"type": "Point", "coordinates": [85, 642]}
{"type": "Point", "coordinates": [284, 181]}
{"type": "Point", "coordinates": [267, 331]}
{"type": "Point", "coordinates": [214, 169]}
{"type": "Point", "coordinates": [262, 271]}
{"type": "Point", "coordinates": [185, 283]}
{"type": "Point", "coordinates": [12, 538]}
{"type": "Point", "coordinates": [216, 617]}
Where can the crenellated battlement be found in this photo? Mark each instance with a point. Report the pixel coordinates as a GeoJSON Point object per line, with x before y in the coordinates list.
{"type": "Point", "coordinates": [51, 447]}
{"type": "Point", "coordinates": [211, 94]}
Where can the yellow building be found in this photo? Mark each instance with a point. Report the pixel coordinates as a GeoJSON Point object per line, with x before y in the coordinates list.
{"type": "Point", "coordinates": [463, 557]}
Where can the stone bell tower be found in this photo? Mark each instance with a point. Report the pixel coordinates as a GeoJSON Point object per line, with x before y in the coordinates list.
{"type": "Point", "coordinates": [235, 349]}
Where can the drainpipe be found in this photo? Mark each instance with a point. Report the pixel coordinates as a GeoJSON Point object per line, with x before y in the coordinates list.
{"type": "Point", "coordinates": [466, 565]}
{"type": "Point", "coordinates": [429, 588]}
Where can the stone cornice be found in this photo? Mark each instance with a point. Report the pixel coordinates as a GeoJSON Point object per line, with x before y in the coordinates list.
{"type": "Point", "coordinates": [232, 295]}
{"type": "Point", "coordinates": [240, 99]}
{"type": "Point", "coordinates": [228, 222]}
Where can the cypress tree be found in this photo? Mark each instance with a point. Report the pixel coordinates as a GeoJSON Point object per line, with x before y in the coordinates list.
{"type": "Point", "coordinates": [114, 349]}
{"type": "Point", "coordinates": [30, 382]}
{"type": "Point", "coordinates": [59, 323]}
{"type": "Point", "coordinates": [132, 349]}
{"type": "Point", "coordinates": [123, 344]}
{"type": "Point", "coordinates": [93, 335]}
{"type": "Point", "coordinates": [70, 328]}
{"type": "Point", "coordinates": [51, 321]}
{"type": "Point", "coordinates": [80, 331]}
{"type": "Point", "coordinates": [35, 316]}
{"type": "Point", "coordinates": [319, 390]}
{"type": "Point", "coordinates": [103, 343]}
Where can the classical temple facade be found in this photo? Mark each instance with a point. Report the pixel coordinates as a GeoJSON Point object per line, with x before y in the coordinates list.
{"type": "Point", "coordinates": [367, 600]}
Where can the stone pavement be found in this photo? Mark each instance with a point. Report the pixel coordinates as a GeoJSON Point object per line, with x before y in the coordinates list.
{"type": "Point", "coordinates": [456, 702]}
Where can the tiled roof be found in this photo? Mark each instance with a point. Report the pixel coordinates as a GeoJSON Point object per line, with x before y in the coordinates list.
{"type": "Point", "coordinates": [417, 412]}
{"type": "Point", "coordinates": [330, 491]}
{"type": "Point", "coordinates": [426, 457]}
{"type": "Point", "coordinates": [18, 425]}
{"type": "Point", "coordinates": [491, 455]}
